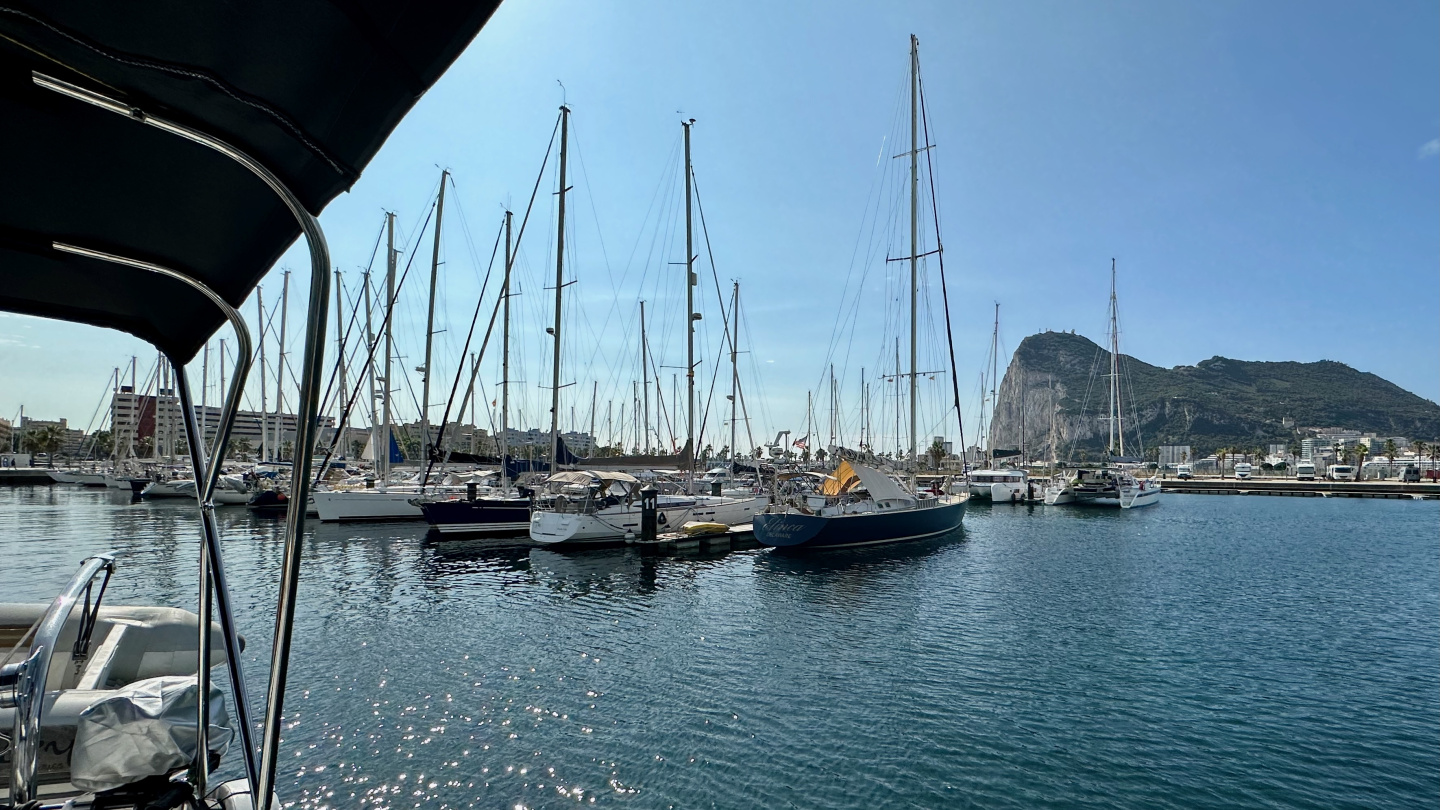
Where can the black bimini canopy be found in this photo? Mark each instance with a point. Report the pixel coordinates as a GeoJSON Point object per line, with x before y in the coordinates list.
{"type": "Point", "coordinates": [309, 88]}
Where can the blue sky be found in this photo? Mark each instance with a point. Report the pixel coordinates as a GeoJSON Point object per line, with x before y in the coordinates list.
{"type": "Point", "coordinates": [1264, 173]}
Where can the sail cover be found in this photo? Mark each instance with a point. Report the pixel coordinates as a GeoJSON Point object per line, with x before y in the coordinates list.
{"type": "Point", "coordinates": [880, 486]}
{"type": "Point", "coordinates": [309, 88]}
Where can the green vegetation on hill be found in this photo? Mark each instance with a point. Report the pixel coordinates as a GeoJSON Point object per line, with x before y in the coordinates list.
{"type": "Point", "coordinates": [1221, 402]}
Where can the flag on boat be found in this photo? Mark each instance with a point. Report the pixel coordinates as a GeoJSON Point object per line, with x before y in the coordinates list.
{"type": "Point", "coordinates": [800, 442]}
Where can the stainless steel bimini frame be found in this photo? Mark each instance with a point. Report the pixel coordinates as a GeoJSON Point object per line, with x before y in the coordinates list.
{"type": "Point", "coordinates": [262, 781]}
{"type": "Point", "coordinates": [207, 476]}
{"type": "Point", "coordinates": [22, 684]}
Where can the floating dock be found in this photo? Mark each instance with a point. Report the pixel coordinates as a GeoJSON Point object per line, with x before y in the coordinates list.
{"type": "Point", "coordinates": [1303, 489]}
{"type": "Point", "coordinates": [735, 538]}
{"type": "Point", "coordinates": [24, 476]}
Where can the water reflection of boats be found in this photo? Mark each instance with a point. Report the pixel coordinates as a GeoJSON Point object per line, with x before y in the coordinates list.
{"type": "Point", "coordinates": [620, 570]}
{"type": "Point", "coordinates": [787, 562]}
{"type": "Point", "coordinates": [442, 562]}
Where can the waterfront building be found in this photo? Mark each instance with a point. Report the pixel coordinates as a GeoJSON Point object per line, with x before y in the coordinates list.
{"type": "Point", "coordinates": [7, 436]}
{"type": "Point", "coordinates": [136, 418]}
{"type": "Point", "coordinates": [1172, 454]}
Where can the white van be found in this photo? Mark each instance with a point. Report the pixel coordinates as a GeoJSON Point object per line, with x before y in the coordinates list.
{"type": "Point", "coordinates": [1341, 472]}
{"type": "Point", "coordinates": [1243, 469]}
{"type": "Point", "coordinates": [1184, 472]}
{"type": "Point", "coordinates": [1305, 471]}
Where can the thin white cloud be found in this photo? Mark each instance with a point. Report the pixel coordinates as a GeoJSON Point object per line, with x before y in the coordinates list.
{"type": "Point", "coordinates": [1430, 149]}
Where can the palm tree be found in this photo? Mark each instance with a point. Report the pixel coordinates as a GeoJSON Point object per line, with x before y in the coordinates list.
{"type": "Point", "coordinates": [1390, 451]}
{"type": "Point", "coordinates": [937, 452]}
{"type": "Point", "coordinates": [46, 439]}
{"type": "Point", "coordinates": [1419, 447]}
{"type": "Point", "coordinates": [1361, 452]}
{"type": "Point", "coordinates": [1220, 456]}
{"type": "Point", "coordinates": [240, 447]}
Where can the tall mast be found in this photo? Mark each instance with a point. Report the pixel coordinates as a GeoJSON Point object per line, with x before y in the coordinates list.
{"type": "Point", "coordinates": [914, 235]}
{"type": "Point", "coordinates": [1054, 451]}
{"type": "Point", "coordinates": [430, 326]}
{"type": "Point", "coordinates": [594, 395]}
{"type": "Point", "coordinates": [382, 460]}
{"type": "Point", "coordinates": [264, 407]}
{"type": "Point", "coordinates": [204, 386]}
{"type": "Point", "coordinates": [505, 356]}
{"type": "Point", "coordinates": [831, 445]}
{"type": "Point", "coordinates": [370, 346]}
{"type": "Point", "coordinates": [645, 379]}
{"type": "Point", "coordinates": [1022, 424]}
{"type": "Point", "coordinates": [341, 423]}
{"type": "Point", "coordinates": [864, 408]}
{"type": "Point", "coordinates": [559, 287]}
{"type": "Point", "coordinates": [280, 369]}
{"type": "Point", "coordinates": [1114, 367]}
{"type": "Point", "coordinates": [474, 421]}
{"type": "Point", "coordinates": [135, 426]}
{"type": "Point", "coordinates": [809, 439]}
{"type": "Point", "coordinates": [994, 372]}
{"type": "Point", "coordinates": [898, 438]}
{"type": "Point", "coordinates": [734, 369]}
{"type": "Point", "coordinates": [690, 316]}
{"type": "Point", "coordinates": [221, 389]}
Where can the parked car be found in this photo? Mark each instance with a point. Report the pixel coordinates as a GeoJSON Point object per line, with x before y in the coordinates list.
{"type": "Point", "coordinates": [1184, 472]}
{"type": "Point", "coordinates": [1411, 474]}
{"type": "Point", "coordinates": [1340, 472]}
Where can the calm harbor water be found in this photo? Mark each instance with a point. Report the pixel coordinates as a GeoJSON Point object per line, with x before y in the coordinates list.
{"type": "Point", "coordinates": [1210, 652]}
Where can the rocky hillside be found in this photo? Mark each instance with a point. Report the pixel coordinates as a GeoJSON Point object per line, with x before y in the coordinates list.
{"type": "Point", "coordinates": [1216, 403]}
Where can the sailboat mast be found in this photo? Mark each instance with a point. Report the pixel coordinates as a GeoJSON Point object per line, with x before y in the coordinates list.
{"type": "Point", "coordinates": [280, 368]}
{"type": "Point", "coordinates": [341, 423]}
{"type": "Point", "coordinates": [994, 372]}
{"type": "Point", "coordinates": [382, 460]}
{"type": "Point", "coordinates": [734, 368]}
{"type": "Point", "coordinates": [221, 389]}
{"type": "Point", "coordinates": [864, 410]}
{"type": "Point", "coordinates": [690, 316]}
{"type": "Point", "coordinates": [370, 347]}
{"type": "Point", "coordinates": [1114, 363]}
{"type": "Point", "coordinates": [505, 356]}
{"type": "Point", "coordinates": [809, 440]}
{"type": "Point", "coordinates": [898, 378]}
{"type": "Point", "coordinates": [559, 287]}
{"type": "Point", "coordinates": [645, 380]}
{"type": "Point", "coordinates": [1054, 449]}
{"type": "Point", "coordinates": [204, 386]}
{"type": "Point", "coordinates": [264, 406]}
{"type": "Point", "coordinates": [831, 444]}
{"type": "Point", "coordinates": [430, 324]}
{"type": "Point", "coordinates": [914, 236]}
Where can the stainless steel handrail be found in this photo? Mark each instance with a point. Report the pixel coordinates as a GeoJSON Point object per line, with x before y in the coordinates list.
{"type": "Point", "coordinates": [22, 684]}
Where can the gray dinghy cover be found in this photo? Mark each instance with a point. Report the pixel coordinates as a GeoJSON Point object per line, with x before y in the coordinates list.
{"type": "Point", "coordinates": [146, 729]}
